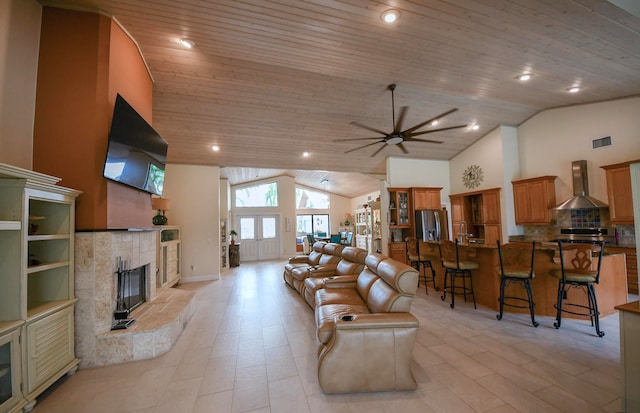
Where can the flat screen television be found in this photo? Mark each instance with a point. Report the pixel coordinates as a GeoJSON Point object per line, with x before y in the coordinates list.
{"type": "Point", "coordinates": [137, 154]}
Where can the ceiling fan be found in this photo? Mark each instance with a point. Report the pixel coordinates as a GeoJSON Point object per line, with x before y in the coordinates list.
{"type": "Point", "coordinates": [398, 136]}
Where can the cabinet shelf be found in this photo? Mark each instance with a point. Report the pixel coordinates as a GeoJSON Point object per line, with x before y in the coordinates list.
{"type": "Point", "coordinates": [10, 225]}
{"type": "Point", "coordinates": [42, 309]}
{"type": "Point", "coordinates": [48, 266]}
{"type": "Point", "coordinates": [47, 237]}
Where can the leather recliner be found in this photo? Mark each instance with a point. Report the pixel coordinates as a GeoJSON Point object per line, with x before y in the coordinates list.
{"type": "Point", "coordinates": [364, 329]}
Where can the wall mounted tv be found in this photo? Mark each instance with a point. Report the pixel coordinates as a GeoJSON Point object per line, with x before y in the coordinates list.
{"type": "Point", "coordinates": [137, 154]}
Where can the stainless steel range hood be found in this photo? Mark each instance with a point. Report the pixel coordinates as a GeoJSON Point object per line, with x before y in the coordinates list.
{"type": "Point", "coordinates": [581, 198]}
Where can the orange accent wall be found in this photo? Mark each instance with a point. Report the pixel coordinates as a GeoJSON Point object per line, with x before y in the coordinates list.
{"type": "Point", "coordinates": [85, 60]}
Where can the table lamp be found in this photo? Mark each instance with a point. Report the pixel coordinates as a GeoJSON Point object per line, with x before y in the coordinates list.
{"type": "Point", "coordinates": [161, 205]}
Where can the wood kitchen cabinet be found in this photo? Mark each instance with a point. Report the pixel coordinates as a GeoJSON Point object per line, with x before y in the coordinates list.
{"type": "Point", "coordinates": [481, 212]}
{"type": "Point", "coordinates": [426, 198]}
{"type": "Point", "coordinates": [619, 192]}
{"type": "Point", "coordinates": [533, 199]}
{"type": "Point", "coordinates": [400, 208]}
{"type": "Point", "coordinates": [632, 265]}
{"type": "Point", "coordinates": [398, 251]}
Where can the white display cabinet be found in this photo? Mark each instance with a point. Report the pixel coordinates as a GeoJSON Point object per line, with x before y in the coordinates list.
{"type": "Point", "coordinates": [169, 257]}
{"type": "Point", "coordinates": [37, 285]}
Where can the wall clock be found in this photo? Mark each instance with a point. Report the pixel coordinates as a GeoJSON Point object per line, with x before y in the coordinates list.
{"type": "Point", "coordinates": [472, 176]}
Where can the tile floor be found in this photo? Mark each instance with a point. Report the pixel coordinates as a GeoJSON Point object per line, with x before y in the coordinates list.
{"type": "Point", "coordinates": [250, 348]}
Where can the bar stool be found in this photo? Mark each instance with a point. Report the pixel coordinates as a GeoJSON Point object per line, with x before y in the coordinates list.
{"type": "Point", "coordinates": [416, 259]}
{"type": "Point", "coordinates": [578, 272]}
{"type": "Point", "coordinates": [516, 267]}
{"type": "Point", "coordinates": [455, 267]}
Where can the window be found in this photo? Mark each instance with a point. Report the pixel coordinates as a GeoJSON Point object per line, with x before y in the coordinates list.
{"type": "Point", "coordinates": [306, 199]}
{"type": "Point", "coordinates": [314, 224]}
{"type": "Point", "coordinates": [263, 195]}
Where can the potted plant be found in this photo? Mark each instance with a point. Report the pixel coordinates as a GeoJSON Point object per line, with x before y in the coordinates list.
{"type": "Point", "coordinates": [233, 234]}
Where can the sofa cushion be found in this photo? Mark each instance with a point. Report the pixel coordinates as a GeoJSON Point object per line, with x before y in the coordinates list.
{"type": "Point", "coordinates": [325, 296]}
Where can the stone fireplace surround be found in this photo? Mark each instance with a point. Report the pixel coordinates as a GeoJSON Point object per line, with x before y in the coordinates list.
{"type": "Point", "coordinates": [159, 321]}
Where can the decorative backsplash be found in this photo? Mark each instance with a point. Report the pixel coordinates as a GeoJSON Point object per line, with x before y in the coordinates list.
{"type": "Point", "coordinates": [585, 218]}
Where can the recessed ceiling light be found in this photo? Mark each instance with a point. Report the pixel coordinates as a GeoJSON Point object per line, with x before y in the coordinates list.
{"type": "Point", "coordinates": [390, 16]}
{"type": "Point", "coordinates": [434, 122]}
{"type": "Point", "coordinates": [186, 43]}
{"type": "Point", "coordinates": [305, 154]}
{"type": "Point", "coordinates": [215, 148]}
{"type": "Point", "coordinates": [573, 89]}
{"type": "Point", "coordinates": [475, 126]}
{"type": "Point", "coordinates": [524, 77]}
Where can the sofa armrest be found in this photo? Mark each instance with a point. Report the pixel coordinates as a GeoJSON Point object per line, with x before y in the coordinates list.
{"type": "Point", "coordinates": [341, 281]}
{"type": "Point", "coordinates": [323, 271]}
{"type": "Point", "coordinates": [372, 352]}
{"type": "Point", "coordinates": [376, 320]}
{"type": "Point", "coordinates": [299, 259]}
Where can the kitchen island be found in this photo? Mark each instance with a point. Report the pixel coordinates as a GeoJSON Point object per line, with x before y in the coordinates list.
{"type": "Point", "coordinates": [611, 291]}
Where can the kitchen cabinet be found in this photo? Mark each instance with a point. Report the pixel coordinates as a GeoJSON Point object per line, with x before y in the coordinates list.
{"type": "Point", "coordinates": [480, 211]}
{"type": "Point", "coordinates": [619, 192]}
{"type": "Point", "coordinates": [426, 198]}
{"type": "Point", "coordinates": [37, 286]}
{"type": "Point", "coordinates": [168, 257]}
{"type": "Point", "coordinates": [399, 208]}
{"type": "Point", "coordinates": [533, 200]}
{"type": "Point", "coordinates": [632, 265]}
{"type": "Point", "coordinates": [398, 251]}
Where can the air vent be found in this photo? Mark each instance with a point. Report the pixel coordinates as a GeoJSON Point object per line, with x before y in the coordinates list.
{"type": "Point", "coordinates": [599, 143]}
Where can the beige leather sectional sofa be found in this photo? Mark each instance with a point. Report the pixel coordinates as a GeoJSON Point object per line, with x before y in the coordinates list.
{"type": "Point", "coordinates": [364, 329]}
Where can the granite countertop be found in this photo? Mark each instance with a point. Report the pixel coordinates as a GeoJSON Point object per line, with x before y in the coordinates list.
{"type": "Point", "coordinates": [633, 307]}
{"type": "Point", "coordinates": [541, 240]}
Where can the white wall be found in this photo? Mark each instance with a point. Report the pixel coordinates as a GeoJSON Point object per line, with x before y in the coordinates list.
{"type": "Point", "coordinates": [407, 172]}
{"type": "Point", "coordinates": [19, 47]}
{"type": "Point", "coordinates": [551, 140]}
{"type": "Point", "coordinates": [195, 207]}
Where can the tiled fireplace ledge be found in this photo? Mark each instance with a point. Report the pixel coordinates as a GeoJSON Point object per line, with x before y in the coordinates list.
{"type": "Point", "coordinates": [158, 325]}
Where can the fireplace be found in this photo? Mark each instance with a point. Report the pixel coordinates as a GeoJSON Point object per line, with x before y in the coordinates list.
{"type": "Point", "coordinates": [131, 287]}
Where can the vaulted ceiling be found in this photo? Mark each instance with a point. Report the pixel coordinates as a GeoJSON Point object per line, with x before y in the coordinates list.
{"type": "Point", "coordinates": [267, 80]}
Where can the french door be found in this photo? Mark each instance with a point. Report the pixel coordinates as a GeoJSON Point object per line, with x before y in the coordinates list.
{"type": "Point", "coordinates": [259, 237]}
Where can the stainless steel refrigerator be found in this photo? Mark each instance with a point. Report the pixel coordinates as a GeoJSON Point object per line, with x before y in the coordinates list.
{"type": "Point", "coordinates": [431, 225]}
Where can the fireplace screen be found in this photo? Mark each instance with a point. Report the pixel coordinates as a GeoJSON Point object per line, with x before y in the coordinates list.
{"type": "Point", "coordinates": [131, 288]}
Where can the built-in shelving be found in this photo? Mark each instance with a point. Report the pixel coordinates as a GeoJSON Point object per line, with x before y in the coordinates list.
{"type": "Point", "coordinates": [37, 285]}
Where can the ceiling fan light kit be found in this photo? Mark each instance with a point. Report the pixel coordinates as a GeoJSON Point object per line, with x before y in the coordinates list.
{"type": "Point", "coordinates": [399, 136]}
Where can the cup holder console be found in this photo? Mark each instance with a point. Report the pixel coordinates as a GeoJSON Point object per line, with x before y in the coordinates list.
{"type": "Point", "coordinates": [348, 317]}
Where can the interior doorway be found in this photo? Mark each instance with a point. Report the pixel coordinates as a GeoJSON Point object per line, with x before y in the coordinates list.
{"type": "Point", "coordinates": [259, 237]}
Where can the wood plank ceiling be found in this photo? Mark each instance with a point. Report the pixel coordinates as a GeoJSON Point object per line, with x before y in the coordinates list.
{"type": "Point", "coordinates": [267, 80]}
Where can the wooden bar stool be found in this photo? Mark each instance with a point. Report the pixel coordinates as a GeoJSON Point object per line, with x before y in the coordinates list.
{"type": "Point", "coordinates": [578, 269]}
{"type": "Point", "coordinates": [454, 268]}
{"type": "Point", "coordinates": [516, 267]}
{"type": "Point", "coordinates": [417, 259]}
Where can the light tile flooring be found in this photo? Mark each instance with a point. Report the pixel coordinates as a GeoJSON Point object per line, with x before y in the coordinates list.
{"type": "Point", "coordinates": [250, 348]}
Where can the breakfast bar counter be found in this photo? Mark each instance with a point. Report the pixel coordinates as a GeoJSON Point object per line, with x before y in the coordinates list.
{"type": "Point", "coordinates": [611, 291]}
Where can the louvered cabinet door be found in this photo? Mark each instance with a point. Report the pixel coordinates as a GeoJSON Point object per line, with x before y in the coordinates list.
{"type": "Point", "coordinates": [50, 346]}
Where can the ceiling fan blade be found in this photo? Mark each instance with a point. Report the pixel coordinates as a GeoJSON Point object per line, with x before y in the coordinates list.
{"type": "Point", "coordinates": [401, 146]}
{"type": "Point", "coordinates": [418, 126]}
{"type": "Point", "coordinates": [398, 126]}
{"type": "Point", "coordinates": [381, 138]}
{"type": "Point", "coordinates": [421, 140]}
{"type": "Point", "coordinates": [379, 149]}
{"type": "Point", "coordinates": [436, 130]}
{"type": "Point", "coordinates": [364, 146]}
{"type": "Point", "coordinates": [369, 128]}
